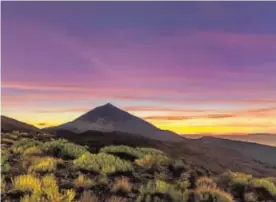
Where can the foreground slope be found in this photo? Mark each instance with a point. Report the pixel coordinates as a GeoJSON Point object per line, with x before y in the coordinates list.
{"type": "Point", "coordinates": [213, 157]}
{"type": "Point", "coordinates": [108, 118]}
{"type": "Point", "coordinates": [43, 168]}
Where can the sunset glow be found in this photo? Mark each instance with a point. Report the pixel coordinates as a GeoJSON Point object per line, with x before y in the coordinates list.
{"type": "Point", "coordinates": [190, 67]}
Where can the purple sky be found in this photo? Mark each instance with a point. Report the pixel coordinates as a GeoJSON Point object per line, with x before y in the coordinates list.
{"type": "Point", "coordinates": [185, 66]}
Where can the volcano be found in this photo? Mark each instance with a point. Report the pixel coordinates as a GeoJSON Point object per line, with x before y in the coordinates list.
{"type": "Point", "coordinates": [109, 118]}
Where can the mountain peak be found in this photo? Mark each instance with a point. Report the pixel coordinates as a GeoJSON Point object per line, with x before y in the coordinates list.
{"type": "Point", "coordinates": [108, 117]}
{"type": "Point", "coordinates": [109, 105]}
{"type": "Point", "coordinates": [107, 112]}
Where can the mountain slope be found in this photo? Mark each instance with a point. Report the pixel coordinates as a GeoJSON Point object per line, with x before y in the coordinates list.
{"type": "Point", "coordinates": [263, 153]}
{"type": "Point", "coordinates": [108, 118]}
{"type": "Point", "coordinates": [9, 125]}
{"type": "Point", "coordinates": [215, 158]}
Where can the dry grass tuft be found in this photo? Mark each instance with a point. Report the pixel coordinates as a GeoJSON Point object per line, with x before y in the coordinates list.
{"type": "Point", "coordinates": [121, 184]}
{"type": "Point", "coordinates": [205, 182]}
{"type": "Point", "coordinates": [88, 196]}
{"type": "Point", "coordinates": [83, 181]}
{"type": "Point", "coordinates": [27, 183]}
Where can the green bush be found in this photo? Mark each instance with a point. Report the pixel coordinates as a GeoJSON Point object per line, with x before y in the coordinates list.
{"type": "Point", "coordinates": [102, 163]}
{"type": "Point", "coordinates": [5, 166]}
{"type": "Point", "coordinates": [250, 197]}
{"type": "Point", "coordinates": [147, 150]}
{"type": "Point", "coordinates": [152, 160]}
{"type": "Point", "coordinates": [265, 184]}
{"type": "Point", "coordinates": [236, 178]}
{"type": "Point", "coordinates": [160, 187]}
{"type": "Point", "coordinates": [122, 149]}
{"type": "Point", "coordinates": [22, 145]}
{"type": "Point", "coordinates": [63, 148]}
{"type": "Point", "coordinates": [83, 181]}
{"type": "Point", "coordinates": [207, 194]}
{"type": "Point", "coordinates": [102, 179]}
{"type": "Point", "coordinates": [43, 164]}
{"type": "Point", "coordinates": [138, 152]}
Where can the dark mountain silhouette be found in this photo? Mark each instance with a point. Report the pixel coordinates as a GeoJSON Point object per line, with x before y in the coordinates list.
{"type": "Point", "coordinates": [109, 118]}
{"type": "Point", "coordinates": [9, 125]}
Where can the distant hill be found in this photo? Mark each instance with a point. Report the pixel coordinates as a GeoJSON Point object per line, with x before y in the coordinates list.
{"type": "Point", "coordinates": [263, 153]}
{"type": "Point", "coordinates": [109, 118]}
{"type": "Point", "coordinates": [9, 125]}
{"type": "Point", "coordinates": [259, 138]}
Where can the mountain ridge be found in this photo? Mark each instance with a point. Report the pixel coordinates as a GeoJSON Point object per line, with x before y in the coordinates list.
{"type": "Point", "coordinates": [109, 118]}
{"type": "Point", "coordinates": [9, 125]}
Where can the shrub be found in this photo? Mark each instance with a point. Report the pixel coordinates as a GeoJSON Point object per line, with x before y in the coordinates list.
{"type": "Point", "coordinates": [6, 141]}
{"type": "Point", "coordinates": [236, 179]}
{"type": "Point", "coordinates": [147, 150]}
{"type": "Point", "coordinates": [116, 199]}
{"type": "Point", "coordinates": [179, 165]}
{"type": "Point", "coordinates": [151, 160]}
{"type": "Point", "coordinates": [69, 195]}
{"type": "Point", "coordinates": [35, 150]}
{"type": "Point", "coordinates": [87, 196]}
{"type": "Point", "coordinates": [63, 148]}
{"type": "Point", "coordinates": [265, 184]}
{"type": "Point", "coordinates": [122, 149]}
{"type": "Point", "coordinates": [250, 197]}
{"type": "Point", "coordinates": [160, 187]}
{"type": "Point", "coordinates": [104, 163]}
{"type": "Point", "coordinates": [22, 145]}
{"type": "Point", "coordinates": [121, 185]}
{"type": "Point", "coordinates": [271, 179]}
{"type": "Point", "coordinates": [51, 190]}
{"type": "Point", "coordinates": [3, 184]}
{"type": "Point", "coordinates": [102, 179]}
{"type": "Point", "coordinates": [205, 182]}
{"type": "Point", "coordinates": [138, 152]}
{"type": "Point", "coordinates": [83, 181]}
{"type": "Point", "coordinates": [33, 198]}
{"type": "Point", "coordinates": [27, 183]}
{"type": "Point", "coordinates": [183, 184]}
{"type": "Point", "coordinates": [43, 164]}
{"type": "Point", "coordinates": [5, 166]}
{"type": "Point", "coordinates": [214, 195]}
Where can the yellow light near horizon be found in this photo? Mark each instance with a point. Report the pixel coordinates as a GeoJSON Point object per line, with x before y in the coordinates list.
{"type": "Point", "coordinates": [189, 126]}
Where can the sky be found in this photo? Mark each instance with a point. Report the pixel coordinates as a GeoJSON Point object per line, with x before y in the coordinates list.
{"type": "Point", "coordinates": [189, 67]}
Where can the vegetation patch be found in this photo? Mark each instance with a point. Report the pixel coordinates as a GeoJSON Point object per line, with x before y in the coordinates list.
{"type": "Point", "coordinates": [265, 184]}
{"type": "Point", "coordinates": [121, 184]}
{"type": "Point", "coordinates": [214, 195]}
{"type": "Point", "coordinates": [102, 163]}
{"type": "Point", "coordinates": [43, 164]}
{"type": "Point", "coordinates": [5, 166]}
{"type": "Point", "coordinates": [25, 143]}
{"type": "Point", "coordinates": [83, 181]}
{"type": "Point", "coordinates": [31, 172]}
{"type": "Point", "coordinates": [138, 152]}
{"type": "Point", "coordinates": [63, 148]}
{"type": "Point", "coordinates": [152, 160]}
